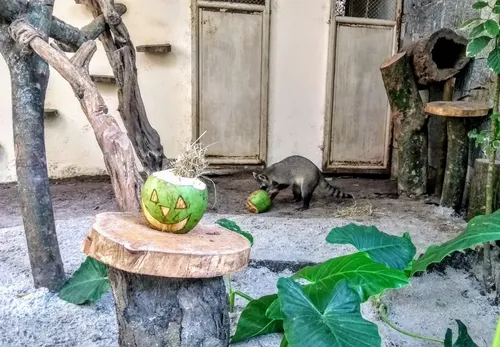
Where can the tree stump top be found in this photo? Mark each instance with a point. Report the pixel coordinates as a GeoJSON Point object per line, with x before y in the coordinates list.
{"type": "Point", "coordinates": [124, 241]}
{"type": "Point", "coordinates": [457, 109]}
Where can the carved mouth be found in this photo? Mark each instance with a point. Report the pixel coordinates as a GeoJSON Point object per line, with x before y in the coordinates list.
{"type": "Point", "coordinates": [172, 227]}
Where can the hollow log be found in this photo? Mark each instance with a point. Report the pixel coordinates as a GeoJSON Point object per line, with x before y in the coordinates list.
{"type": "Point", "coordinates": [409, 117]}
{"type": "Point", "coordinates": [477, 193]}
{"type": "Point", "coordinates": [438, 57]}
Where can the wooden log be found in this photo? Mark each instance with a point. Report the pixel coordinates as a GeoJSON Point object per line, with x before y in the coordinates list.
{"type": "Point", "coordinates": [411, 120]}
{"type": "Point", "coordinates": [438, 57]}
{"type": "Point", "coordinates": [477, 193]}
{"type": "Point", "coordinates": [456, 163]}
{"type": "Point", "coordinates": [156, 311]}
{"type": "Point", "coordinates": [457, 114]}
{"type": "Point", "coordinates": [168, 287]}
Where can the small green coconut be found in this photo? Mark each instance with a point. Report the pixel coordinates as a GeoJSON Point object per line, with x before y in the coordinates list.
{"type": "Point", "coordinates": [258, 202]}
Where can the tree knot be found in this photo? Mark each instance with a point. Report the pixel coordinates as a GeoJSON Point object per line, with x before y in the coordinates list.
{"type": "Point", "coordinates": [22, 32]}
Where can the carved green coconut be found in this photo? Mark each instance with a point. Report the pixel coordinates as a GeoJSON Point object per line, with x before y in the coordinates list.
{"type": "Point", "coordinates": [258, 202]}
{"type": "Point", "coordinates": [172, 203]}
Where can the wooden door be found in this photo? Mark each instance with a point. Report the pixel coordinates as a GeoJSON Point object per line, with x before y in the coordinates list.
{"type": "Point", "coordinates": [232, 85]}
{"type": "Point", "coordinates": [358, 121]}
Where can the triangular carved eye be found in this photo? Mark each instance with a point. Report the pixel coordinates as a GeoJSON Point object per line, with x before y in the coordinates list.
{"type": "Point", "coordinates": [164, 211]}
{"type": "Point", "coordinates": [154, 196]}
{"type": "Point", "coordinates": [181, 204]}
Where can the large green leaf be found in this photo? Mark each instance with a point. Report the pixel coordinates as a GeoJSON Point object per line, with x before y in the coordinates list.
{"type": "Point", "coordinates": [477, 45]}
{"type": "Point", "coordinates": [230, 225]}
{"type": "Point", "coordinates": [480, 4]}
{"type": "Point", "coordinates": [369, 277]}
{"type": "Point", "coordinates": [253, 321]}
{"type": "Point", "coordinates": [274, 310]}
{"type": "Point", "coordinates": [340, 324]}
{"type": "Point", "coordinates": [491, 27]}
{"type": "Point", "coordinates": [87, 284]}
{"type": "Point", "coordinates": [494, 60]}
{"type": "Point", "coordinates": [463, 340]}
{"type": "Point", "coordinates": [480, 229]}
{"type": "Point", "coordinates": [476, 31]}
{"type": "Point", "coordinates": [394, 252]}
{"type": "Point", "coordinates": [284, 342]}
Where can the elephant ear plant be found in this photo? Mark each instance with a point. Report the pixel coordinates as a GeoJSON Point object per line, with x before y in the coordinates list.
{"type": "Point", "coordinates": [484, 40]}
{"type": "Point", "coordinates": [319, 306]}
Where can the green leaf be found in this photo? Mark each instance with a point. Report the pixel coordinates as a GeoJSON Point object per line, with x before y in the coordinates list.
{"type": "Point", "coordinates": [469, 22]}
{"type": "Point", "coordinates": [229, 224]}
{"type": "Point", "coordinates": [369, 277]}
{"type": "Point", "coordinates": [494, 60]}
{"type": "Point", "coordinates": [274, 310]}
{"type": "Point", "coordinates": [463, 340]}
{"type": "Point", "coordinates": [477, 45]}
{"type": "Point", "coordinates": [479, 5]}
{"type": "Point", "coordinates": [339, 325]}
{"type": "Point", "coordinates": [483, 228]}
{"type": "Point", "coordinates": [491, 27]}
{"type": "Point", "coordinates": [496, 9]}
{"type": "Point", "coordinates": [394, 252]}
{"type": "Point", "coordinates": [476, 31]}
{"type": "Point", "coordinates": [253, 321]}
{"type": "Point", "coordinates": [284, 342]}
{"type": "Point", "coordinates": [87, 284]}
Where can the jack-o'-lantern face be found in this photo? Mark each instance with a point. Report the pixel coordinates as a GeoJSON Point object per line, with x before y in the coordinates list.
{"type": "Point", "coordinates": [173, 207]}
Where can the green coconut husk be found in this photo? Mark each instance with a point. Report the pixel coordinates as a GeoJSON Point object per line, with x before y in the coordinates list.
{"type": "Point", "coordinates": [258, 202]}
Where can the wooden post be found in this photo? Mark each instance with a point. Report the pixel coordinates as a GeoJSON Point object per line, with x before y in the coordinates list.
{"type": "Point", "coordinates": [457, 113]}
{"type": "Point", "coordinates": [410, 119]}
{"type": "Point", "coordinates": [168, 288]}
{"type": "Point", "coordinates": [477, 194]}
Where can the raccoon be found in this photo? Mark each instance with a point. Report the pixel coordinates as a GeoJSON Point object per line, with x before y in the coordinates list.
{"type": "Point", "coordinates": [301, 174]}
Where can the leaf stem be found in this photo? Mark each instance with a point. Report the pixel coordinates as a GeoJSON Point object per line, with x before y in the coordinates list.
{"type": "Point", "coordinates": [243, 295]}
{"type": "Point", "coordinates": [383, 316]}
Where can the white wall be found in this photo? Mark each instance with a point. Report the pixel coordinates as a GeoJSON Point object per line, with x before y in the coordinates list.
{"type": "Point", "coordinates": [298, 64]}
{"type": "Point", "coordinates": [165, 82]}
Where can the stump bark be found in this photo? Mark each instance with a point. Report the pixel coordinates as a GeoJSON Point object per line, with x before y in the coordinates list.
{"type": "Point", "coordinates": [438, 57]}
{"type": "Point", "coordinates": [457, 115]}
{"type": "Point", "coordinates": [168, 287]}
{"type": "Point", "coordinates": [477, 193]}
{"type": "Point", "coordinates": [156, 311]}
{"type": "Point", "coordinates": [410, 120]}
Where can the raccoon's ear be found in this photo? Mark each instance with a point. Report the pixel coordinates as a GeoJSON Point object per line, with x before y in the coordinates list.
{"type": "Point", "coordinates": [255, 174]}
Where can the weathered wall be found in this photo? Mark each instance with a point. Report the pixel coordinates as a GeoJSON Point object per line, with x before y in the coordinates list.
{"type": "Point", "coordinates": [165, 82]}
{"type": "Point", "coordinates": [420, 19]}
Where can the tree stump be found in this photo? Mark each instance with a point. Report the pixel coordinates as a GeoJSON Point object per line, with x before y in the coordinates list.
{"type": "Point", "coordinates": [410, 123]}
{"type": "Point", "coordinates": [438, 57]}
{"type": "Point", "coordinates": [477, 194]}
{"type": "Point", "coordinates": [457, 114]}
{"type": "Point", "coordinates": [168, 288]}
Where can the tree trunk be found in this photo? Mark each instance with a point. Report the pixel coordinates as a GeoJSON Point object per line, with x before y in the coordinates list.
{"type": "Point", "coordinates": [456, 163]}
{"type": "Point", "coordinates": [411, 120]}
{"type": "Point", "coordinates": [121, 55]}
{"type": "Point", "coordinates": [477, 195]}
{"type": "Point", "coordinates": [29, 75]}
{"type": "Point", "coordinates": [156, 311]}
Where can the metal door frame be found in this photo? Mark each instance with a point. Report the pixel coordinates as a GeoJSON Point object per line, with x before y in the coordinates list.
{"type": "Point", "coordinates": [330, 79]}
{"type": "Point", "coordinates": [196, 6]}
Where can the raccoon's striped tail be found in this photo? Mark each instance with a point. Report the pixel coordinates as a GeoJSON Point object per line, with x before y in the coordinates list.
{"type": "Point", "coordinates": [334, 191]}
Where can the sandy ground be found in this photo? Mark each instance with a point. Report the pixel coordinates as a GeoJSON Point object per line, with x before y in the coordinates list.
{"type": "Point", "coordinates": [284, 239]}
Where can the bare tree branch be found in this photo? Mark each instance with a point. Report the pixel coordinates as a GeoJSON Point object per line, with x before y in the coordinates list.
{"type": "Point", "coordinates": [116, 147]}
